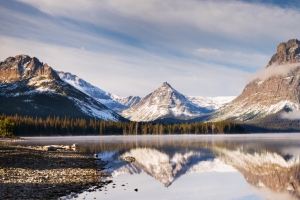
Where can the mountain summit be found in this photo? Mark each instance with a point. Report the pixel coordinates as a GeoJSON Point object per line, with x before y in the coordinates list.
{"type": "Point", "coordinates": [275, 89]}
{"type": "Point", "coordinates": [23, 67]}
{"type": "Point", "coordinates": [29, 87]}
{"type": "Point", "coordinates": [164, 102]}
{"type": "Point", "coordinates": [287, 52]}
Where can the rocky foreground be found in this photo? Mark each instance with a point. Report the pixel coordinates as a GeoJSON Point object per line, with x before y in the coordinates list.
{"type": "Point", "coordinates": [34, 173]}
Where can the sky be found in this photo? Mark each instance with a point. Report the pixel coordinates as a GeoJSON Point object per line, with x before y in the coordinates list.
{"type": "Point", "coordinates": [200, 47]}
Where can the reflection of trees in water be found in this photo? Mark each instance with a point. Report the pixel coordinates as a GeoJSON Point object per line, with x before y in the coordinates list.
{"type": "Point", "coordinates": [132, 143]}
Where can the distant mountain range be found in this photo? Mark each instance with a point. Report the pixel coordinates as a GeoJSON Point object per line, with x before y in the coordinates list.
{"type": "Point", "coordinates": [138, 109]}
{"type": "Point", "coordinates": [30, 87]}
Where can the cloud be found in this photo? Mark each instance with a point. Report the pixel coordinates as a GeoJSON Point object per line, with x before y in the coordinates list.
{"type": "Point", "coordinates": [230, 32]}
{"type": "Point", "coordinates": [292, 115]}
{"type": "Point", "coordinates": [231, 57]}
{"type": "Point", "coordinates": [231, 18]}
{"type": "Point", "coordinates": [273, 70]}
{"type": "Point", "coordinates": [202, 48]}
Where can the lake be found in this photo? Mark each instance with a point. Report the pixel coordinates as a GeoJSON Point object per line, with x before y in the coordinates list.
{"type": "Point", "coordinates": [254, 166]}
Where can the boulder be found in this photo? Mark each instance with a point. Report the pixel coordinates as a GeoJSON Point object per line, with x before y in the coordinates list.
{"type": "Point", "coordinates": [50, 148]}
{"type": "Point", "coordinates": [129, 159]}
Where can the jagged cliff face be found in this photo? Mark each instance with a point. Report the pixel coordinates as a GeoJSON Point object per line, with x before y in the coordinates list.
{"type": "Point", "coordinates": [287, 52]}
{"type": "Point", "coordinates": [23, 67]}
{"type": "Point", "coordinates": [162, 103]}
{"type": "Point", "coordinates": [29, 87]}
{"type": "Point", "coordinates": [278, 91]}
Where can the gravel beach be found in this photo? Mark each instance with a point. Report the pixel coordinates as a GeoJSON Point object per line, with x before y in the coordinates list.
{"type": "Point", "coordinates": [34, 173]}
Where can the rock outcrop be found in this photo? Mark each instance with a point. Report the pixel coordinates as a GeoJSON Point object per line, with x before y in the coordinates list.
{"type": "Point", "coordinates": [287, 52]}
{"type": "Point", "coordinates": [277, 91]}
{"type": "Point", "coordinates": [23, 67]}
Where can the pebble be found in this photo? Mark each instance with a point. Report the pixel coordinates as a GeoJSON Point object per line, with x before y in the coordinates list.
{"type": "Point", "coordinates": [34, 172]}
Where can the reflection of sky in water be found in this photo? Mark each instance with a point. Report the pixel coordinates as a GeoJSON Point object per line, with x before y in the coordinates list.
{"type": "Point", "coordinates": [195, 167]}
{"type": "Point", "coordinates": [192, 186]}
{"type": "Point", "coordinates": [207, 185]}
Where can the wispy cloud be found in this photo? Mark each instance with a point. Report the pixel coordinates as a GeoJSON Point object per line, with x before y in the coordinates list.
{"type": "Point", "coordinates": [231, 57]}
{"type": "Point", "coordinates": [231, 18]}
{"type": "Point", "coordinates": [273, 70]}
{"type": "Point", "coordinates": [200, 47]}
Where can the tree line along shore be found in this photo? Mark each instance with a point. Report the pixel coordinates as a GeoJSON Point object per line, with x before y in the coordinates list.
{"type": "Point", "coordinates": [35, 126]}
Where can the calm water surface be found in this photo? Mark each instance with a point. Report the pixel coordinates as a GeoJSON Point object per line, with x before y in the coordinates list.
{"type": "Point", "coordinates": [260, 166]}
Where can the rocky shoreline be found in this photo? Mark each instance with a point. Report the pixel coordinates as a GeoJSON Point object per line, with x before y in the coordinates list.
{"type": "Point", "coordinates": [11, 139]}
{"type": "Point", "coordinates": [35, 173]}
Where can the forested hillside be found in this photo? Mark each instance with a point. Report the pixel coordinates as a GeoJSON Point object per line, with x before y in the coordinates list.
{"type": "Point", "coordinates": [29, 126]}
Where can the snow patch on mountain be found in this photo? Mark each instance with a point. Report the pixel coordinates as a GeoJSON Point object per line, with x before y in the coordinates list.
{"type": "Point", "coordinates": [127, 101]}
{"type": "Point", "coordinates": [212, 103]}
{"type": "Point", "coordinates": [244, 111]}
{"type": "Point", "coordinates": [82, 85]}
{"type": "Point", "coordinates": [112, 101]}
{"type": "Point", "coordinates": [93, 110]}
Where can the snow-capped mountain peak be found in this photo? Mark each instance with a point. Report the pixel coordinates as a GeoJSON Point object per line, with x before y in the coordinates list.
{"type": "Point", "coordinates": [83, 86]}
{"type": "Point", "coordinates": [164, 102]}
{"type": "Point", "coordinates": [112, 101]}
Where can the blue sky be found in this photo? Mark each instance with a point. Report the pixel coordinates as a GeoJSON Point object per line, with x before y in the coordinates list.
{"type": "Point", "coordinates": [202, 48]}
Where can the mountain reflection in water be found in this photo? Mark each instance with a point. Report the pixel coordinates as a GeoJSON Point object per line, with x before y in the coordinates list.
{"type": "Point", "coordinates": [265, 161]}
{"type": "Point", "coordinates": [161, 166]}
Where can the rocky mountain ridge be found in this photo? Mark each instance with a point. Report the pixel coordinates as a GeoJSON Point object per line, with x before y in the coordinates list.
{"type": "Point", "coordinates": [278, 91]}
{"type": "Point", "coordinates": [23, 67]}
{"type": "Point", "coordinates": [112, 101]}
{"type": "Point", "coordinates": [29, 87]}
